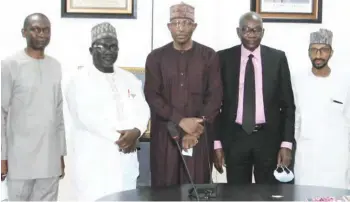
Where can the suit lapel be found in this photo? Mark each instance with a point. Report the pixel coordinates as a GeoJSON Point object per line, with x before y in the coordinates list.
{"type": "Point", "coordinates": [233, 67]}
{"type": "Point", "coordinates": [266, 72]}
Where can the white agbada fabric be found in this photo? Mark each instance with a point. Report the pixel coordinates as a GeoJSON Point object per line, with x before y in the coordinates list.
{"type": "Point", "coordinates": [100, 104]}
{"type": "Point", "coordinates": [4, 195]}
{"type": "Point", "coordinates": [322, 129]}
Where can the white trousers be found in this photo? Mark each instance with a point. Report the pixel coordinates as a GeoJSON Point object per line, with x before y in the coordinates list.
{"type": "Point", "coordinates": [33, 190]}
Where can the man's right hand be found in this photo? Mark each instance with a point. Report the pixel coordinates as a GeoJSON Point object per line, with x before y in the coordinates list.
{"type": "Point", "coordinates": [189, 141]}
{"type": "Point", "coordinates": [131, 149]}
{"type": "Point", "coordinates": [219, 160]}
{"type": "Point", "coordinates": [4, 169]}
{"type": "Point", "coordinates": [192, 126]}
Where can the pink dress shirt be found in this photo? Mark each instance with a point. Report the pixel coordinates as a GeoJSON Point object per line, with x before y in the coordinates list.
{"type": "Point", "coordinates": [260, 112]}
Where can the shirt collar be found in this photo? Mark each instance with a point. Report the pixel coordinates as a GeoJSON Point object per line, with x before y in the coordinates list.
{"type": "Point", "coordinates": [245, 52]}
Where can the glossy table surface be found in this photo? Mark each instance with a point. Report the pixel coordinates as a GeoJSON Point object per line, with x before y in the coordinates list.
{"type": "Point", "coordinates": [226, 192]}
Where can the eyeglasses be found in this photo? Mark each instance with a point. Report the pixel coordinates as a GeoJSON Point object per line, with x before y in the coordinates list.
{"type": "Point", "coordinates": [181, 24]}
{"type": "Point", "coordinates": [248, 30]}
{"type": "Point", "coordinates": [324, 50]}
{"type": "Point", "coordinates": [105, 47]}
{"type": "Point", "coordinates": [39, 30]}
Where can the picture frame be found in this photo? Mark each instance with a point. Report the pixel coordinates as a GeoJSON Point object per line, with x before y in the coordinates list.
{"type": "Point", "coordinates": [139, 72]}
{"type": "Point", "coordinates": [288, 11]}
{"type": "Point", "coordinates": [98, 9]}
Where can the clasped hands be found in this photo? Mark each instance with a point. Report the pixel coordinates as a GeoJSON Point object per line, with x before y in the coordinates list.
{"type": "Point", "coordinates": [193, 130]}
{"type": "Point", "coordinates": [127, 140]}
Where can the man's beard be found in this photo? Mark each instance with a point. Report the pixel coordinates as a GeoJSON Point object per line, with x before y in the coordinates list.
{"type": "Point", "coordinates": [321, 65]}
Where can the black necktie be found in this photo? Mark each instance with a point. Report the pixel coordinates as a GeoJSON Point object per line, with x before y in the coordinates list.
{"type": "Point", "coordinates": [248, 122]}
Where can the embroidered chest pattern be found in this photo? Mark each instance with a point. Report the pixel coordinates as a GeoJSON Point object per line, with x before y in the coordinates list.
{"type": "Point", "coordinates": [112, 81]}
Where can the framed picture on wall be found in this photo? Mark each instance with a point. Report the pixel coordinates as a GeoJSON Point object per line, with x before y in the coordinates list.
{"type": "Point", "coordinates": [295, 11]}
{"type": "Point", "coordinates": [98, 8]}
{"type": "Point", "coordinates": [139, 72]}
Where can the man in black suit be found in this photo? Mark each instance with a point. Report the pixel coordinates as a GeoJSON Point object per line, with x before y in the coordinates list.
{"type": "Point", "coordinates": [256, 123]}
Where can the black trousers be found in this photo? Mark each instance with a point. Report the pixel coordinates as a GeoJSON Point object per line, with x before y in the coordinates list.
{"type": "Point", "coordinates": [245, 151]}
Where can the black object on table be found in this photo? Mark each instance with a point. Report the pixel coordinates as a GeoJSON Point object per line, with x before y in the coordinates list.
{"type": "Point", "coordinates": [226, 192]}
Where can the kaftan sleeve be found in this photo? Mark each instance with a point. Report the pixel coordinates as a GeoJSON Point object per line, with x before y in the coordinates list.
{"type": "Point", "coordinates": [60, 127]}
{"type": "Point", "coordinates": [142, 110]}
{"type": "Point", "coordinates": [347, 108]}
{"type": "Point", "coordinates": [6, 95]}
{"type": "Point", "coordinates": [81, 113]}
{"type": "Point", "coordinates": [297, 110]}
{"type": "Point", "coordinates": [214, 92]}
{"type": "Point", "coordinates": [153, 91]}
{"type": "Point", "coordinates": [287, 104]}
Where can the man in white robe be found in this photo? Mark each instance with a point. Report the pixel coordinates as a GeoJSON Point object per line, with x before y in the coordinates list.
{"type": "Point", "coordinates": [322, 118]}
{"type": "Point", "coordinates": [109, 114]}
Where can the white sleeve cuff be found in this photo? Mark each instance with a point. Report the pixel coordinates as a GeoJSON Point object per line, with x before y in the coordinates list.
{"type": "Point", "coordinates": [142, 129]}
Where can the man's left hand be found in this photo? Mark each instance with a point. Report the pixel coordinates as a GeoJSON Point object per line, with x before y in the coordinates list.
{"type": "Point", "coordinates": [219, 160]}
{"type": "Point", "coordinates": [62, 168]}
{"type": "Point", "coordinates": [127, 140]}
{"type": "Point", "coordinates": [284, 157]}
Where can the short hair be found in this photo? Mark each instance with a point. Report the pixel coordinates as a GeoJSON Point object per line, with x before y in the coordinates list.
{"type": "Point", "coordinates": [27, 20]}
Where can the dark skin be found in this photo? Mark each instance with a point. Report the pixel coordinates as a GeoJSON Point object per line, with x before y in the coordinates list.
{"type": "Point", "coordinates": [181, 30]}
{"type": "Point", "coordinates": [128, 140]}
{"type": "Point", "coordinates": [63, 166]}
{"type": "Point", "coordinates": [251, 32]}
{"type": "Point", "coordinates": [104, 54]}
{"type": "Point", "coordinates": [219, 160]}
{"type": "Point", "coordinates": [37, 32]}
{"type": "Point", "coordinates": [189, 141]}
{"type": "Point", "coordinates": [4, 169]}
{"type": "Point", "coordinates": [319, 55]}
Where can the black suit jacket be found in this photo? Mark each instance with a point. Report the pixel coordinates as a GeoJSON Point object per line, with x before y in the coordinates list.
{"type": "Point", "coordinates": [277, 91]}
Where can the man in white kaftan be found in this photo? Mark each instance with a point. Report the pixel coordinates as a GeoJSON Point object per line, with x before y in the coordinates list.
{"type": "Point", "coordinates": [322, 119]}
{"type": "Point", "coordinates": [103, 101]}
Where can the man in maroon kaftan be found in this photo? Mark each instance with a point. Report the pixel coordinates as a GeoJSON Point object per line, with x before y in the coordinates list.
{"type": "Point", "coordinates": [182, 85]}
